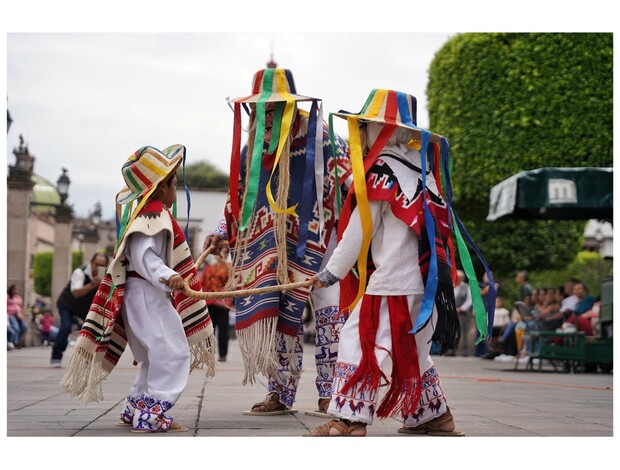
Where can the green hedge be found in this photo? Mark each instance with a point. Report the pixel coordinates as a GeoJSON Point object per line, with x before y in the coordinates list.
{"type": "Point", "coordinates": [509, 102]}
{"type": "Point", "coordinates": [42, 270]}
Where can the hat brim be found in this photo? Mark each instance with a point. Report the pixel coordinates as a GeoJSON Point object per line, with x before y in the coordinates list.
{"type": "Point", "coordinates": [416, 131]}
{"type": "Point", "coordinates": [273, 98]}
{"type": "Point", "coordinates": [126, 195]}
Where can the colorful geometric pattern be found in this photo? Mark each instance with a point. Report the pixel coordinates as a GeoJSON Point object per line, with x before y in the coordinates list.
{"type": "Point", "coordinates": [259, 264]}
{"type": "Point", "coordinates": [360, 404]}
{"type": "Point", "coordinates": [328, 323]}
{"type": "Point", "coordinates": [149, 415]}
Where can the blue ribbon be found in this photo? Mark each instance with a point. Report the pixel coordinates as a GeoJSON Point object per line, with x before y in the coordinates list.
{"type": "Point", "coordinates": [307, 201]}
{"type": "Point", "coordinates": [432, 280]}
{"type": "Point", "coordinates": [492, 295]}
{"type": "Point", "coordinates": [187, 197]}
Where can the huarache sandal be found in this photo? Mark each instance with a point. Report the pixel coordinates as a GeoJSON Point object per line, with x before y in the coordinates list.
{"type": "Point", "coordinates": [441, 426]}
{"type": "Point", "coordinates": [270, 406]}
{"type": "Point", "coordinates": [338, 428]}
{"type": "Point", "coordinates": [174, 427]}
{"type": "Point", "coordinates": [321, 412]}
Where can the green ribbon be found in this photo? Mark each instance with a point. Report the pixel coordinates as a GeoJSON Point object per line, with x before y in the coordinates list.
{"type": "Point", "coordinates": [257, 151]}
{"type": "Point", "coordinates": [275, 128]}
{"type": "Point", "coordinates": [335, 157]}
{"type": "Point", "coordinates": [480, 316]}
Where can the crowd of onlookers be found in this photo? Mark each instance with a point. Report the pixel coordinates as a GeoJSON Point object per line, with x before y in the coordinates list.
{"type": "Point", "coordinates": [41, 317]}
{"type": "Point", "coordinates": [565, 308]}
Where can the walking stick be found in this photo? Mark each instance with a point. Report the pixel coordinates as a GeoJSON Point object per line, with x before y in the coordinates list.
{"type": "Point", "coordinates": [187, 290]}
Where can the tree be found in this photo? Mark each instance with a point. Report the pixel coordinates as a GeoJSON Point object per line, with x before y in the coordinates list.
{"type": "Point", "coordinates": [42, 270]}
{"type": "Point", "coordinates": [509, 102]}
{"type": "Point", "coordinates": [204, 175]}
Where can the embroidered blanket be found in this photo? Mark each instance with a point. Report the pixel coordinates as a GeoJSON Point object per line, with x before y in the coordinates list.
{"type": "Point", "coordinates": [259, 317]}
{"type": "Point", "coordinates": [102, 339]}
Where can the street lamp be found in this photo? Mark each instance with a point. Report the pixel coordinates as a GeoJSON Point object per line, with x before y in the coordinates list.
{"type": "Point", "coordinates": [95, 217]}
{"type": "Point", "coordinates": [24, 162]}
{"type": "Point", "coordinates": [62, 186]}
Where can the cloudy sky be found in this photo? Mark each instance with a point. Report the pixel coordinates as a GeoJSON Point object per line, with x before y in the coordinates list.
{"type": "Point", "coordinates": [86, 101]}
{"type": "Point", "coordinates": [86, 93]}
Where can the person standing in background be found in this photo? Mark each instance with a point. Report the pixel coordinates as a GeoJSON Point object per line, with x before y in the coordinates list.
{"type": "Point", "coordinates": [214, 278]}
{"type": "Point", "coordinates": [15, 317]}
{"type": "Point", "coordinates": [75, 300]}
{"type": "Point", "coordinates": [462, 296]}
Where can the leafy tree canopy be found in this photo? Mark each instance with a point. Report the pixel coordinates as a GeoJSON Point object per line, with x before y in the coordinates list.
{"type": "Point", "coordinates": [509, 102]}
{"type": "Point", "coordinates": [204, 175]}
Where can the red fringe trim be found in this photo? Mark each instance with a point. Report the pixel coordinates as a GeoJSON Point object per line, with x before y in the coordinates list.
{"type": "Point", "coordinates": [403, 395]}
{"type": "Point", "coordinates": [368, 374]}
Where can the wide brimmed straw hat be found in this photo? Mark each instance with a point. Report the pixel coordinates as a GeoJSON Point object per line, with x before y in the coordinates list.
{"type": "Point", "coordinates": [273, 85]}
{"type": "Point", "coordinates": [390, 107]}
{"type": "Point", "coordinates": [146, 168]}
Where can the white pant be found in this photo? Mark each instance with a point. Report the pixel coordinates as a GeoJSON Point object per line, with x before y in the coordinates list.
{"type": "Point", "coordinates": [360, 405]}
{"type": "Point", "coordinates": [157, 340]}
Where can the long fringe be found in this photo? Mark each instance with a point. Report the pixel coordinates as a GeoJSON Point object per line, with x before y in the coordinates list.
{"type": "Point", "coordinates": [447, 332]}
{"type": "Point", "coordinates": [202, 356]}
{"type": "Point", "coordinates": [83, 376]}
{"type": "Point", "coordinates": [368, 373]}
{"type": "Point", "coordinates": [257, 344]}
{"type": "Point", "coordinates": [403, 395]}
{"type": "Point", "coordinates": [279, 220]}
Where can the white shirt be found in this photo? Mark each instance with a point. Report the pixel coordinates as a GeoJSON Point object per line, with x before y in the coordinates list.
{"type": "Point", "coordinates": [78, 277]}
{"type": "Point", "coordinates": [502, 317]}
{"type": "Point", "coordinates": [394, 248]}
{"type": "Point", "coordinates": [462, 290]}
{"type": "Point", "coordinates": [569, 303]}
{"type": "Point", "coordinates": [146, 255]}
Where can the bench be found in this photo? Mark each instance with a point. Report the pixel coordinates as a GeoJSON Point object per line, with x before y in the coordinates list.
{"type": "Point", "coordinates": [568, 349]}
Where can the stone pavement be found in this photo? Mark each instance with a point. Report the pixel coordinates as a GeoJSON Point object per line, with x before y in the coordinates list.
{"type": "Point", "coordinates": [487, 398]}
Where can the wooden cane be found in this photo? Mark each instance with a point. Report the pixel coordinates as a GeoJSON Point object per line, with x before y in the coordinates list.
{"type": "Point", "coordinates": [221, 244]}
{"type": "Point", "coordinates": [243, 292]}
{"type": "Point", "coordinates": [187, 290]}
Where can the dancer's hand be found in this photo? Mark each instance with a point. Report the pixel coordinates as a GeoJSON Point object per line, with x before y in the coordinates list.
{"type": "Point", "coordinates": [218, 244]}
{"type": "Point", "coordinates": [316, 282]}
{"type": "Point", "coordinates": [175, 282]}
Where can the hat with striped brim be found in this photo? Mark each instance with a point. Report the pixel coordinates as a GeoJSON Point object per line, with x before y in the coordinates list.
{"type": "Point", "coordinates": [390, 107]}
{"type": "Point", "coordinates": [273, 85]}
{"type": "Point", "coordinates": [146, 168]}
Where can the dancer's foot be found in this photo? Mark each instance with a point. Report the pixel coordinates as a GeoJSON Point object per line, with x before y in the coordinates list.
{"type": "Point", "coordinates": [441, 426]}
{"type": "Point", "coordinates": [339, 427]}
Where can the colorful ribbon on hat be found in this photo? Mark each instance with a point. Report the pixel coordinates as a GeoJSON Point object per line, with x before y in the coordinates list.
{"type": "Point", "coordinates": [277, 82]}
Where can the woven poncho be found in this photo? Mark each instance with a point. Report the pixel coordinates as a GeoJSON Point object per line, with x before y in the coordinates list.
{"type": "Point", "coordinates": [102, 339]}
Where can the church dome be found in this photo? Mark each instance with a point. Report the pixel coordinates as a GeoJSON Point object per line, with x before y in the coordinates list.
{"type": "Point", "coordinates": [44, 195]}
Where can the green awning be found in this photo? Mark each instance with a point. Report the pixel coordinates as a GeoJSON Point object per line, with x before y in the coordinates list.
{"type": "Point", "coordinates": [554, 193]}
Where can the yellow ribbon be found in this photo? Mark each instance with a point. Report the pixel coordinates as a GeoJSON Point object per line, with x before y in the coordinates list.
{"type": "Point", "coordinates": [361, 196]}
{"type": "Point", "coordinates": [287, 119]}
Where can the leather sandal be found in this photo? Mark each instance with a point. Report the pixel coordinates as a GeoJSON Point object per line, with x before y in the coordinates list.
{"type": "Point", "coordinates": [441, 426]}
{"type": "Point", "coordinates": [321, 411]}
{"type": "Point", "coordinates": [341, 428]}
{"type": "Point", "coordinates": [270, 406]}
